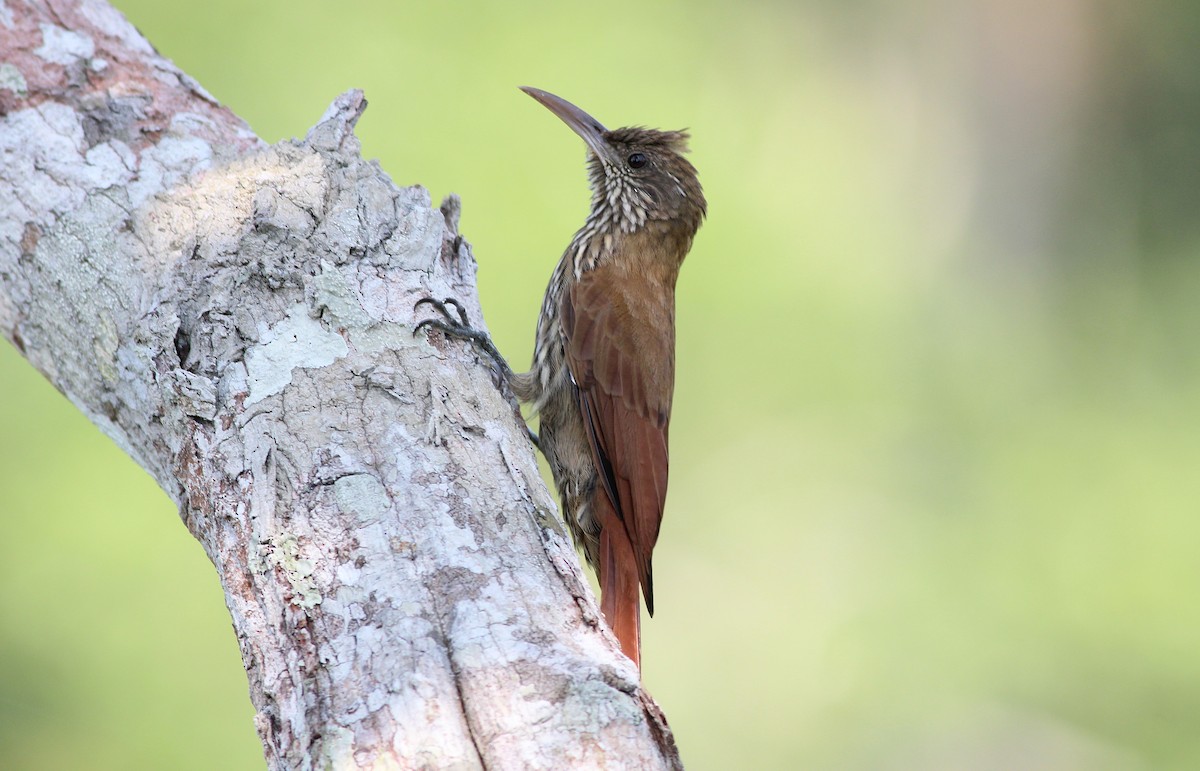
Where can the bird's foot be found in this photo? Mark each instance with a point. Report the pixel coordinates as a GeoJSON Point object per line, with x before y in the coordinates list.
{"type": "Point", "coordinates": [458, 325]}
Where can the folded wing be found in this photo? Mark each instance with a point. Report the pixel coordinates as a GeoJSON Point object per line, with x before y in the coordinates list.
{"type": "Point", "coordinates": [620, 352]}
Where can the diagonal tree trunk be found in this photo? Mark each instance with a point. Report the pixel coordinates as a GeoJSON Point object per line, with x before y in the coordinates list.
{"type": "Point", "coordinates": [239, 319]}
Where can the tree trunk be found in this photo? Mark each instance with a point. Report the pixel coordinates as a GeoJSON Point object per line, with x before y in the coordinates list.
{"type": "Point", "coordinates": [239, 319]}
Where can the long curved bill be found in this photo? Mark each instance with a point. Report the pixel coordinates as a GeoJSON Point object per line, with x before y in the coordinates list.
{"type": "Point", "coordinates": [591, 130]}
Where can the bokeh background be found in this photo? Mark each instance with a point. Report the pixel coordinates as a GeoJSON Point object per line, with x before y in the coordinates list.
{"type": "Point", "coordinates": [936, 444]}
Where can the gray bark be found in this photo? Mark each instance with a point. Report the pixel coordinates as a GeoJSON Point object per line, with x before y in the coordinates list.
{"type": "Point", "coordinates": [239, 319]}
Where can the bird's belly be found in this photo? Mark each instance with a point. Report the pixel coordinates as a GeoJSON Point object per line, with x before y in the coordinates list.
{"type": "Point", "coordinates": [563, 440]}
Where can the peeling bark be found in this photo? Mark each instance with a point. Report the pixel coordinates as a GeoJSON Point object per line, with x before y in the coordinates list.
{"type": "Point", "coordinates": [239, 319]}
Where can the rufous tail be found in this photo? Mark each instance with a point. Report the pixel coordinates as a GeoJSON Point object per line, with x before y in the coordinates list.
{"type": "Point", "coordinates": [619, 592]}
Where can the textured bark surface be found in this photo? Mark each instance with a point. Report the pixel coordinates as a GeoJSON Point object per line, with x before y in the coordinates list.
{"type": "Point", "coordinates": [239, 318]}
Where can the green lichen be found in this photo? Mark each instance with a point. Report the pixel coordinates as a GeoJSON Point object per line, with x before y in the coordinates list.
{"type": "Point", "coordinates": [11, 79]}
{"type": "Point", "coordinates": [361, 495]}
{"type": "Point", "coordinates": [283, 552]}
{"type": "Point", "coordinates": [104, 344]}
{"type": "Point", "coordinates": [336, 750]}
{"type": "Point", "coordinates": [338, 299]}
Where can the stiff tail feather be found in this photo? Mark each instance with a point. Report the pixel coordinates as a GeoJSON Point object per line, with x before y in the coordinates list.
{"type": "Point", "coordinates": [619, 591]}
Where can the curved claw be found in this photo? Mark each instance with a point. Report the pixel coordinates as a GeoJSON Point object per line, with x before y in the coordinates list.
{"type": "Point", "coordinates": [441, 307]}
{"type": "Point", "coordinates": [424, 300]}
{"type": "Point", "coordinates": [424, 323]}
{"type": "Point", "coordinates": [462, 312]}
{"type": "Point", "coordinates": [450, 328]}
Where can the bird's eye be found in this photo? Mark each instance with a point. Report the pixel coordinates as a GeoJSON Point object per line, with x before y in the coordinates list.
{"type": "Point", "coordinates": [636, 160]}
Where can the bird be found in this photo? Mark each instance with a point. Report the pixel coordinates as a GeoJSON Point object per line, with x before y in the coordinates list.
{"type": "Point", "coordinates": [603, 372]}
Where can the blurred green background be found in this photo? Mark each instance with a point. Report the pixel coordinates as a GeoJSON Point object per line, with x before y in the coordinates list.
{"type": "Point", "coordinates": [936, 443]}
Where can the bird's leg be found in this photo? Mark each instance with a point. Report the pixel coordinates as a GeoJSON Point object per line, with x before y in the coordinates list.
{"type": "Point", "coordinates": [461, 328]}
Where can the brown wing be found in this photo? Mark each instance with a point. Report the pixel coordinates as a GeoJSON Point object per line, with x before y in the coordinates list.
{"type": "Point", "coordinates": [620, 352]}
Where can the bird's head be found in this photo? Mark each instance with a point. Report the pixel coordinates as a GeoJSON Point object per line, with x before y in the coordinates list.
{"type": "Point", "coordinates": [638, 175]}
